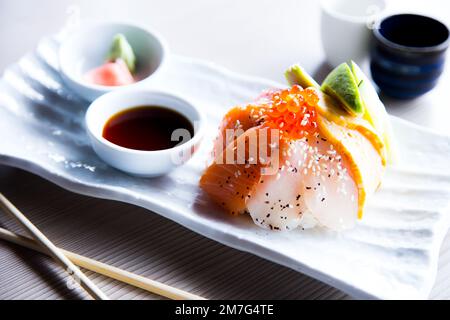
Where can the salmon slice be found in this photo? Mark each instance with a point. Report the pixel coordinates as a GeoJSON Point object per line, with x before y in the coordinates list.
{"type": "Point", "coordinates": [239, 119]}
{"type": "Point", "coordinates": [232, 177]}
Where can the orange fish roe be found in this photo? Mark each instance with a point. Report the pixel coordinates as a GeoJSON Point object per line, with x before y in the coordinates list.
{"type": "Point", "coordinates": [292, 111]}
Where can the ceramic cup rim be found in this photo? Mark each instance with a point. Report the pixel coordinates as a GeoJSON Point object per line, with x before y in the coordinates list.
{"type": "Point", "coordinates": [412, 49]}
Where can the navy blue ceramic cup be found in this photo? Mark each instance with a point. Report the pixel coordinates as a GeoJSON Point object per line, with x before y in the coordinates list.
{"type": "Point", "coordinates": [408, 54]}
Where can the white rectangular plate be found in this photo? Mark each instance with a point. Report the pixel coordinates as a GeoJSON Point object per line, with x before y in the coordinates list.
{"type": "Point", "coordinates": [391, 254]}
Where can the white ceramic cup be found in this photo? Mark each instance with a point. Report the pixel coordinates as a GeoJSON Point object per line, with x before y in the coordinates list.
{"type": "Point", "coordinates": [346, 28]}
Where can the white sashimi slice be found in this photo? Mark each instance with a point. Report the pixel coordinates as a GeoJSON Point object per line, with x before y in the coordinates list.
{"type": "Point", "coordinates": [366, 165]}
{"type": "Point", "coordinates": [313, 186]}
{"type": "Point", "coordinates": [276, 203]}
{"type": "Point", "coordinates": [330, 193]}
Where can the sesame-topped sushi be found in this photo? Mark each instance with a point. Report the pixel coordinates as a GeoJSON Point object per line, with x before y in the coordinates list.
{"type": "Point", "coordinates": [304, 156]}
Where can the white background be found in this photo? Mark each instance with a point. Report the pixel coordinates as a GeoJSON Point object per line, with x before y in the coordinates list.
{"type": "Point", "coordinates": [258, 37]}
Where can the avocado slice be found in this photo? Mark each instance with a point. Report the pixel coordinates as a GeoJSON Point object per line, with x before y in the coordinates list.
{"type": "Point", "coordinates": [121, 49]}
{"type": "Point", "coordinates": [296, 75]}
{"type": "Point", "coordinates": [342, 85]}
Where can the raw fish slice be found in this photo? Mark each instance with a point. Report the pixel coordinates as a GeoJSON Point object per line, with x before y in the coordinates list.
{"type": "Point", "coordinates": [229, 182]}
{"type": "Point", "coordinates": [277, 203]}
{"type": "Point", "coordinates": [313, 186]}
{"type": "Point", "coordinates": [329, 191]}
{"type": "Point", "coordinates": [364, 162]}
{"type": "Point", "coordinates": [238, 119]}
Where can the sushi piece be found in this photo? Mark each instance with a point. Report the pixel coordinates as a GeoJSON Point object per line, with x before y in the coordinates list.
{"type": "Point", "coordinates": [320, 161]}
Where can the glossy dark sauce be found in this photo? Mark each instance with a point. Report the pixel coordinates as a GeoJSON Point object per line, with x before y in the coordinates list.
{"type": "Point", "coordinates": [147, 128]}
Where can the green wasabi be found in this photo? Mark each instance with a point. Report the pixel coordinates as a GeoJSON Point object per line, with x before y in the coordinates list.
{"type": "Point", "coordinates": [121, 49]}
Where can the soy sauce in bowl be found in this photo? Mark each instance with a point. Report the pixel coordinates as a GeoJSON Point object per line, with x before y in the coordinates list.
{"type": "Point", "coordinates": [148, 128]}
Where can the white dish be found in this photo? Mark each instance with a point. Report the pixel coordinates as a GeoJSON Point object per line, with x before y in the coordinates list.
{"type": "Point", "coordinates": [136, 162]}
{"type": "Point", "coordinates": [391, 254]}
{"type": "Point", "coordinates": [82, 52]}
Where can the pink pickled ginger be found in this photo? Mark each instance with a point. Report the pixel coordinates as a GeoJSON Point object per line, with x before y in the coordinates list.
{"type": "Point", "coordinates": [111, 74]}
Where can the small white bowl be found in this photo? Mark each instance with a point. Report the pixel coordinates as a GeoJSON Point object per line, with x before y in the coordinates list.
{"type": "Point", "coordinates": [137, 162]}
{"type": "Point", "coordinates": [87, 48]}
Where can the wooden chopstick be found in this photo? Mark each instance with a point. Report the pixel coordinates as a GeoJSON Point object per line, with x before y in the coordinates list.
{"type": "Point", "coordinates": [52, 250]}
{"type": "Point", "coordinates": [107, 270]}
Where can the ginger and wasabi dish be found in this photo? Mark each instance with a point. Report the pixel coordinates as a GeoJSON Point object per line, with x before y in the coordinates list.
{"type": "Point", "coordinates": [119, 67]}
{"type": "Point", "coordinates": [305, 156]}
